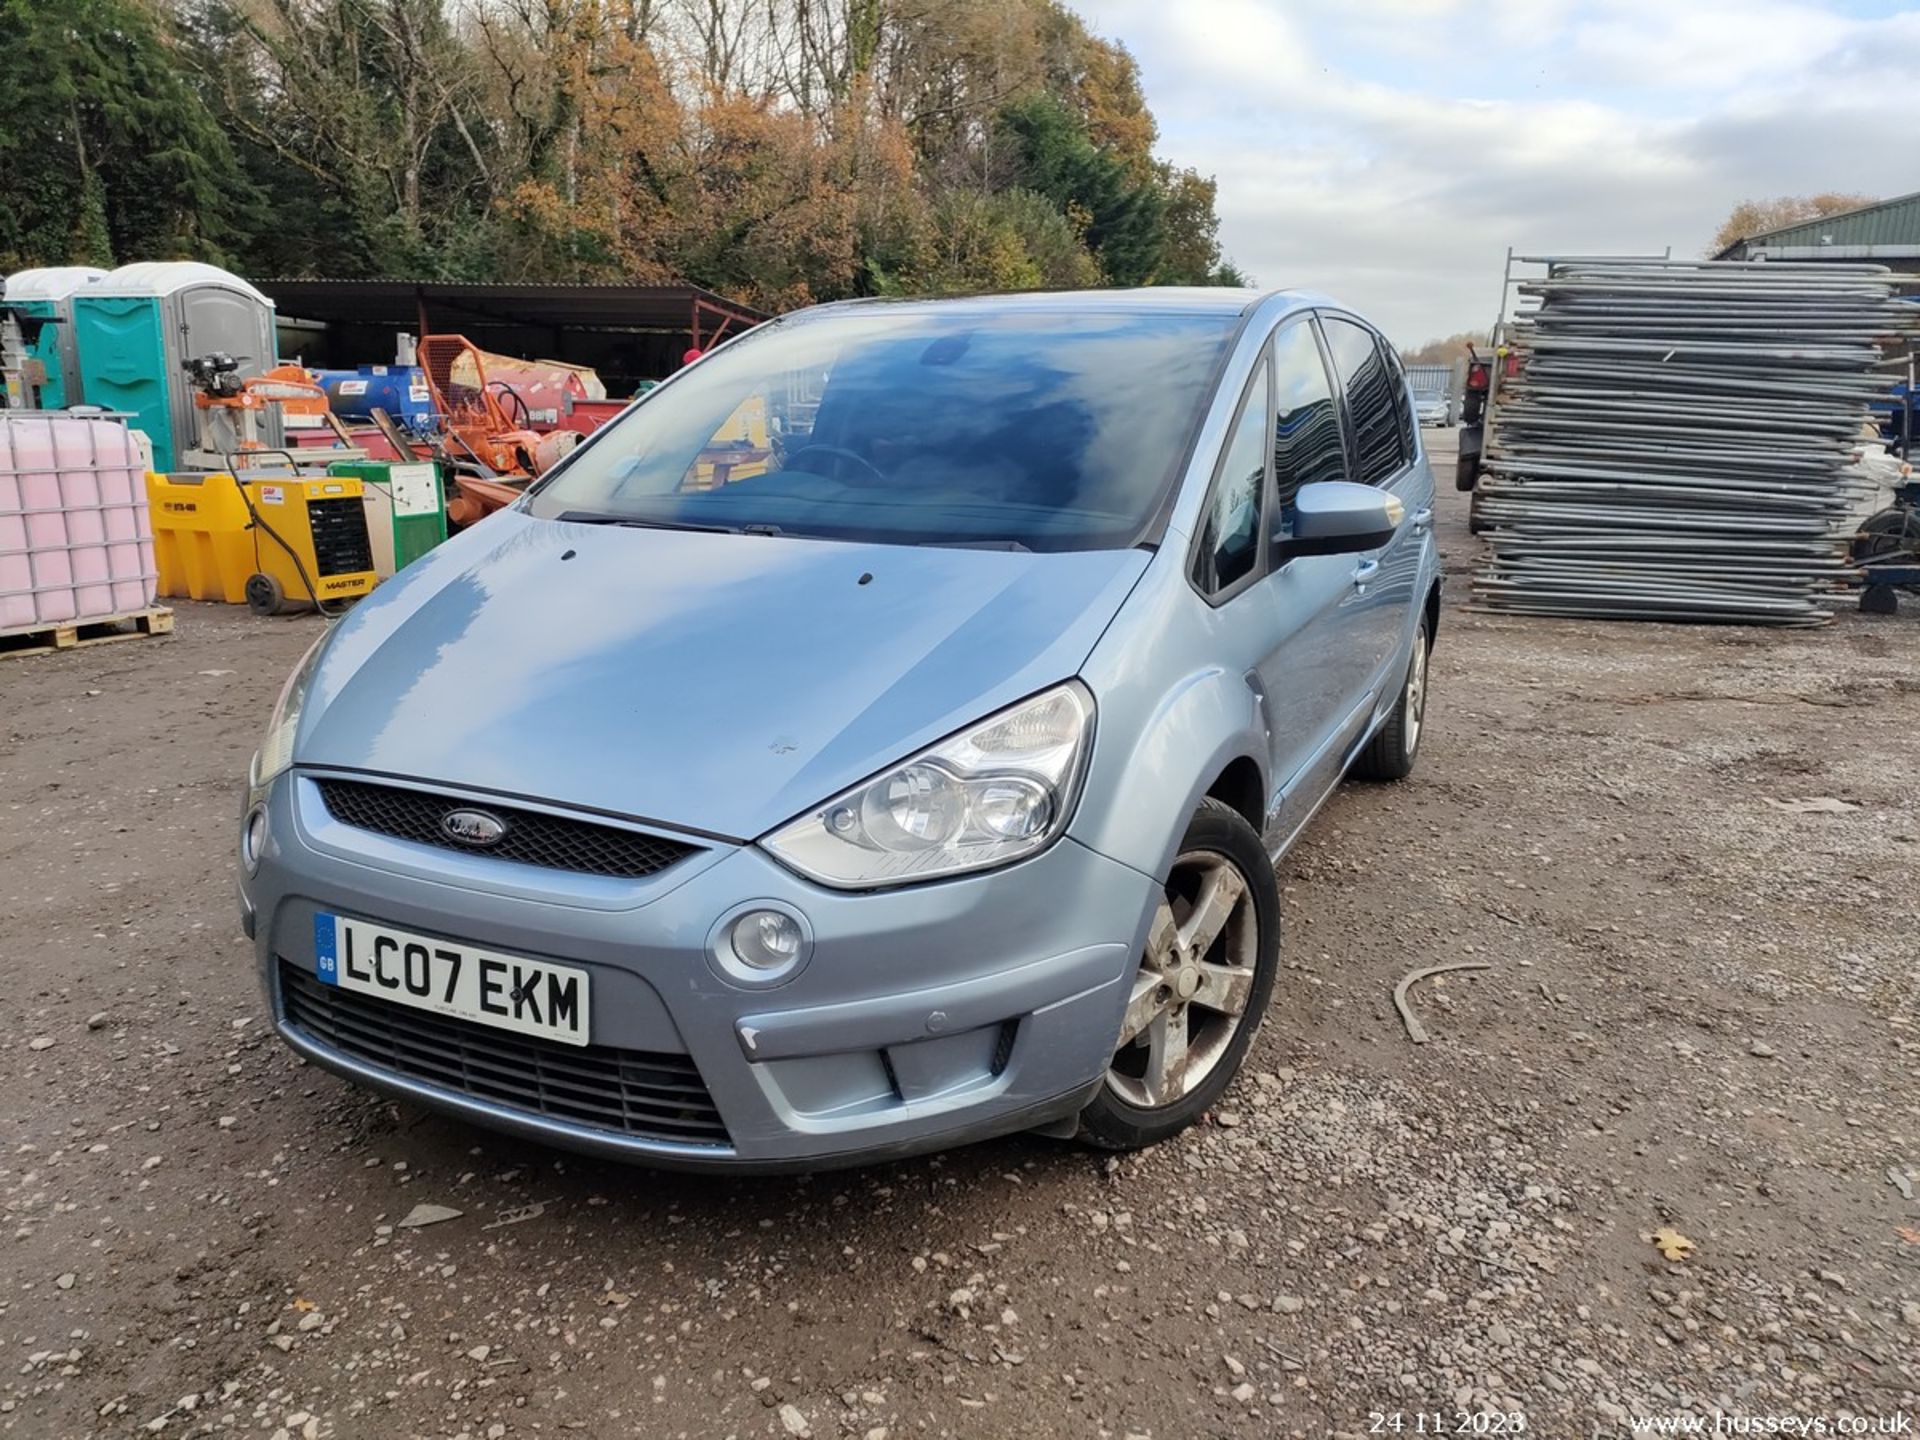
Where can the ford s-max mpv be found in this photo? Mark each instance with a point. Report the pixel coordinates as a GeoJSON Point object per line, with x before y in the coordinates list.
{"type": "Point", "coordinates": [878, 737]}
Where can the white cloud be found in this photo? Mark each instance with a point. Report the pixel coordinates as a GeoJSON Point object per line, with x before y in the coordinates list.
{"type": "Point", "coordinates": [1389, 153]}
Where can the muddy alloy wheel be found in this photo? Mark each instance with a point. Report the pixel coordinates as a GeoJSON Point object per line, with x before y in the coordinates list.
{"type": "Point", "coordinates": [1202, 982]}
{"type": "Point", "coordinates": [1414, 699]}
{"type": "Point", "coordinates": [1391, 752]}
{"type": "Point", "coordinates": [1191, 992]}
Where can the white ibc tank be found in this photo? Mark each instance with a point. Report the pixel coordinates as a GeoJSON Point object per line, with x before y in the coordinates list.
{"type": "Point", "coordinates": [76, 543]}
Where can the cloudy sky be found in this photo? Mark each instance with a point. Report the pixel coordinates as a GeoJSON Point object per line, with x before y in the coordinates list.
{"type": "Point", "coordinates": [1388, 151]}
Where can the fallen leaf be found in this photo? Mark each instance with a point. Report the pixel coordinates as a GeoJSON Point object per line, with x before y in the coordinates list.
{"type": "Point", "coordinates": [1672, 1244]}
{"type": "Point", "coordinates": [1908, 1234]}
{"type": "Point", "coordinates": [426, 1214]}
{"type": "Point", "coordinates": [303, 1305]}
{"type": "Point", "coordinates": [1816, 805]}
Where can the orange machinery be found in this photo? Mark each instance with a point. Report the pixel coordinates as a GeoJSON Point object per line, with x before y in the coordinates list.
{"type": "Point", "coordinates": [488, 456]}
{"type": "Point", "coordinates": [230, 409]}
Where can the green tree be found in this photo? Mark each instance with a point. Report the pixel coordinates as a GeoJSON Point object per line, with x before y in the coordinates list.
{"type": "Point", "coordinates": [1124, 219]}
{"type": "Point", "coordinates": [108, 153]}
{"type": "Point", "coordinates": [1191, 254]}
{"type": "Point", "coordinates": [350, 117]}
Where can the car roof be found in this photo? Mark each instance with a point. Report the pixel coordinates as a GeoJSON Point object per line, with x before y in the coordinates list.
{"type": "Point", "coordinates": [1225, 301]}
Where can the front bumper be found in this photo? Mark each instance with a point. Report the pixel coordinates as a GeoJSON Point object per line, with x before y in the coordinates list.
{"type": "Point", "coordinates": [923, 1017]}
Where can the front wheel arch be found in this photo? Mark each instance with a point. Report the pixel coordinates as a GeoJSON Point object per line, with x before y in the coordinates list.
{"type": "Point", "coordinates": [1241, 788]}
{"type": "Point", "coordinates": [1206, 736]}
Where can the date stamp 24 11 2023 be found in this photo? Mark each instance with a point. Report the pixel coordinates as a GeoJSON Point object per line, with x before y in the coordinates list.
{"type": "Point", "coordinates": [1446, 1422]}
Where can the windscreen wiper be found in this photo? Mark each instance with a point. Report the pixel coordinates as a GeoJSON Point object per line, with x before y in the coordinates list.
{"type": "Point", "coordinates": [980, 545]}
{"type": "Point", "coordinates": [635, 522]}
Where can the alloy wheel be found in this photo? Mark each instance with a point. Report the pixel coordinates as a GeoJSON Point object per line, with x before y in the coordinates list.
{"type": "Point", "coordinates": [1191, 992]}
{"type": "Point", "coordinates": [1416, 696]}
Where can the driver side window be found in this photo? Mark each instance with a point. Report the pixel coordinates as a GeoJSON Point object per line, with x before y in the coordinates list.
{"type": "Point", "coordinates": [1306, 429]}
{"type": "Point", "coordinates": [1229, 549]}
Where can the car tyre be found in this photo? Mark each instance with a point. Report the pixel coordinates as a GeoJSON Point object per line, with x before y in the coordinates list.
{"type": "Point", "coordinates": [1200, 989]}
{"type": "Point", "coordinates": [1396, 745]}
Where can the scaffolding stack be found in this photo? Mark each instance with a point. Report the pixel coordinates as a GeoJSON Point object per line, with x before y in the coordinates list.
{"type": "Point", "coordinates": [1674, 440]}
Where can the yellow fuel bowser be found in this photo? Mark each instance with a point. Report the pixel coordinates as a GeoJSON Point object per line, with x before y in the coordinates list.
{"type": "Point", "coordinates": [276, 543]}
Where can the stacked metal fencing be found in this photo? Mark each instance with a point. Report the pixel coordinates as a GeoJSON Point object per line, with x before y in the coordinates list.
{"type": "Point", "coordinates": [1674, 443]}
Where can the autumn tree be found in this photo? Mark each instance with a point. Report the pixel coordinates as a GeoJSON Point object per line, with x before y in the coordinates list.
{"type": "Point", "coordinates": [1447, 351]}
{"type": "Point", "coordinates": [1758, 217]}
{"type": "Point", "coordinates": [780, 151]}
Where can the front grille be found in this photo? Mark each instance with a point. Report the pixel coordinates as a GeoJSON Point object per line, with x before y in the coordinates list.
{"type": "Point", "coordinates": [532, 837]}
{"type": "Point", "coordinates": [340, 543]}
{"type": "Point", "coordinates": [627, 1092]}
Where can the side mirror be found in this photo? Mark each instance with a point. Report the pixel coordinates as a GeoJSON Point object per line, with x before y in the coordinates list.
{"type": "Point", "coordinates": [1338, 517]}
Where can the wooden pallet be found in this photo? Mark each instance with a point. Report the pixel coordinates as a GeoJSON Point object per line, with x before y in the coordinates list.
{"type": "Point", "coordinates": [45, 639]}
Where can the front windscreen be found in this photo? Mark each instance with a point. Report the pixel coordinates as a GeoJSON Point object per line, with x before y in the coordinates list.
{"type": "Point", "coordinates": [1027, 427]}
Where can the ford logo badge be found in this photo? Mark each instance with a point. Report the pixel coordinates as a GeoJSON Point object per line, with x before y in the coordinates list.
{"type": "Point", "coordinates": [473, 827]}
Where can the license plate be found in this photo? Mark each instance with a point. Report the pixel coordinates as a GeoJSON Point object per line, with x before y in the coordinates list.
{"type": "Point", "coordinates": [509, 992]}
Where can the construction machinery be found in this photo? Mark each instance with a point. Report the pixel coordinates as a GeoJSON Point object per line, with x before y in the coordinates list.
{"type": "Point", "coordinates": [279, 543]}
{"type": "Point", "coordinates": [1887, 550]}
{"type": "Point", "coordinates": [487, 444]}
{"type": "Point", "coordinates": [255, 521]}
{"type": "Point", "coordinates": [406, 509]}
{"type": "Point", "coordinates": [237, 416]}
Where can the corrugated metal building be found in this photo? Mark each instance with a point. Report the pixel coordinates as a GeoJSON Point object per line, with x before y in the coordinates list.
{"type": "Point", "coordinates": [1887, 233]}
{"type": "Point", "coordinates": [628, 333]}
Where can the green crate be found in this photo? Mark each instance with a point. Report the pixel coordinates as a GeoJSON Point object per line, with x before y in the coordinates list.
{"type": "Point", "coordinates": [406, 508]}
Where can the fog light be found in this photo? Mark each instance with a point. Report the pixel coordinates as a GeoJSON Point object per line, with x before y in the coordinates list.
{"type": "Point", "coordinates": [253, 840]}
{"type": "Point", "coordinates": [766, 940]}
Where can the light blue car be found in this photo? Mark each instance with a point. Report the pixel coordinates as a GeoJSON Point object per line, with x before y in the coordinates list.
{"type": "Point", "coordinates": [878, 738]}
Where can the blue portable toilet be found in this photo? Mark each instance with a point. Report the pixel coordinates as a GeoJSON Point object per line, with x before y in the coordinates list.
{"type": "Point", "coordinates": [137, 328]}
{"type": "Point", "coordinates": [38, 305]}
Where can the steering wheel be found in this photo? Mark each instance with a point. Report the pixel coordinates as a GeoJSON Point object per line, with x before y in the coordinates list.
{"type": "Point", "coordinates": [517, 412]}
{"type": "Point", "coordinates": [838, 452]}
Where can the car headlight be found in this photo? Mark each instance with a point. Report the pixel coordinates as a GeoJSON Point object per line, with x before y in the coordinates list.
{"type": "Point", "coordinates": [275, 755]}
{"type": "Point", "coordinates": [995, 793]}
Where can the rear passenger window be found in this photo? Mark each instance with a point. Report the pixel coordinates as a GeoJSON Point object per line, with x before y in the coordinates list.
{"type": "Point", "coordinates": [1402, 406]}
{"type": "Point", "coordinates": [1306, 426]}
{"type": "Point", "coordinates": [1373, 401]}
{"type": "Point", "coordinates": [1230, 537]}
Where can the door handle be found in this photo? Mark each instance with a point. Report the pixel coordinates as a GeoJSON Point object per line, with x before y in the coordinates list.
{"type": "Point", "coordinates": [1365, 571]}
{"type": "Point", "coordinates": [1422, 518]}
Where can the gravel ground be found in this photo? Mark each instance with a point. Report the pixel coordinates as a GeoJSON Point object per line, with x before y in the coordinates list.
{"type": "Point", "coordinates": [1699, 1017]}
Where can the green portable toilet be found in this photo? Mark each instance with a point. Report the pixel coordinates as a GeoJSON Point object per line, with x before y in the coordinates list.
{"type": "Point", "coordinates": [40, 344]}
{"type": "Point", "coordinates": [137, 328]}
{"type": "Point", "coordinates": [406, 508]}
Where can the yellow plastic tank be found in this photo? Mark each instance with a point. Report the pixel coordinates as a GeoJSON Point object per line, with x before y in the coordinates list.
{"type": "Point", "coordinates": [202, 537]}
{"type": "Point", "coordinates": [277, 543]}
